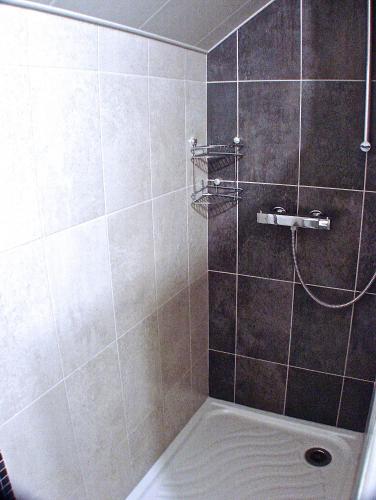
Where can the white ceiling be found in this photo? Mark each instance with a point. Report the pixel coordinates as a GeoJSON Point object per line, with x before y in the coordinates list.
{"type": "Point", "coordinates": [201, 23]}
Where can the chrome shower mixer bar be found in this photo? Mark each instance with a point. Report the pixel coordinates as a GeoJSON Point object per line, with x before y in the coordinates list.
{"type": "Point", "coordinates": [279, 217]}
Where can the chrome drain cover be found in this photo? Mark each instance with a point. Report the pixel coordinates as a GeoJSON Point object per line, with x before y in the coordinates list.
{"type": "Point", "coordinates": [319, 457]}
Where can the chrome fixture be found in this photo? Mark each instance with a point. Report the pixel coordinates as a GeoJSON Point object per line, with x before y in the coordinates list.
{"type": "Point", "coordinates": [279, 217]}
{"type": "Point", "coordinates": [213, 192]}
{"type": "Point", "coordinates": [316, 220]}
{"type": "Point", "coordinates": [366, 145]}
{"type": "Point", "coordinates": [215, 151]}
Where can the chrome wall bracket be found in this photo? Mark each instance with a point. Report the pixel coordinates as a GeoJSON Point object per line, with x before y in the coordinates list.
{"type": "Point", "coordinates": [279, 217]}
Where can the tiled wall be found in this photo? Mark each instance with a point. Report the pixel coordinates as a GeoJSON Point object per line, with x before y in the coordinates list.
{"type": "Point", "coordinates": [290, 82]}
{"type": "Point", "coordinates": [103, 266]}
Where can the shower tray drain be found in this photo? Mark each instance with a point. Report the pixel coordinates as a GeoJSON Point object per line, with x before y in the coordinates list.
{"type": "Point", "coordinates": [319, 457]}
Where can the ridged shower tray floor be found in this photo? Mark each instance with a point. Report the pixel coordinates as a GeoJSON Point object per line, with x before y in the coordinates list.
{"type": "Point", "coordinates": [230, 452]}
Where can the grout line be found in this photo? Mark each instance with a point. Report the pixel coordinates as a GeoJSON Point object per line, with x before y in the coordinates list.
{"type": "Point", "coordinates": [237, 214]}
{"type": "Point", "coordinates": [237, 27]}
{"type": "Point", "coordinates": [356, 285]}
{"type": "Point", "coordinates": [144, 23]}
{"type": "Point", "coordinates": [296, 185]}
{"type": "Point", "coordinates": [297, 202]}
{"type": "Point", "coordinates": [289, 346]}
{"type": "Point", "coordinates": [332, 188]}
{"type": "Point", "coordinates": [122, 387]}
{"type": "Point", "coordinates": [157, 308]}
{"type": "Point", "coordinates": [331, 374]}
{"type": "Point", "coordinates": [161, 196]}
{"type": "Point", "coordinates": [267, 183]}
{"type": "Point", "coordinates": [76, 16]}
{"type": "Point", "coordinates": [89, 221]}
{"type": "Point", "coordinates": [43, 240]}
{"type": "Point", "coordinates": [187, 173]}
{"type": "Point", "coordinates": [262, 278]}
{"type": "Point", "coordinates": [154, 256]}
{"type": "Point", "coordinates": [285, 281]}
{"type": "Point", "coordinates": [228, 18]}
{"type": "Point", "coordinates": [297, 80]}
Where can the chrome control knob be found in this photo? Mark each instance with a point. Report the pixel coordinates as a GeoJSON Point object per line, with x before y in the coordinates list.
{"type": "Point", "coordinates": [280, 210]}
{"type": "Point", "coordinates": [316, 213]}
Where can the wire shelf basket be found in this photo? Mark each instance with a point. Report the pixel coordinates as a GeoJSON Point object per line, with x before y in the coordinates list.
{"type": "Point", "coordinates": [216, 151]}
{"type": "Point", "coordinates": [214, 193]}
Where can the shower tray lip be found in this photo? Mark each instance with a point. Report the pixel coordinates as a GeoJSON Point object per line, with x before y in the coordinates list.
{"type": "Point", "coordinates": [212, 407]}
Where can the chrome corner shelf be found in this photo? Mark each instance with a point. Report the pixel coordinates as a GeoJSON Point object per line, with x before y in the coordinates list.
{"type": "Point", "coordinates": [216, 151]}
{"type": "Point", "coordinates": [214, 193]}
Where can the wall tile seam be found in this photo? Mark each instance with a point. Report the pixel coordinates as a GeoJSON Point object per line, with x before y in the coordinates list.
{"type": "Point", "coordinates": [156, 309]}
{"type": "Point", "coordinates": [44, 233]}
{"type": "Point", "coordinates": [293, 80]}
{"type": "Point", "coordinates": [176, 383]}
{"type": "Point", "coordinates": [48, 67]}
{"type": "Point", "coordinates": [296, 282]}
{"type": "Point", "coordinates": [207, 227]}
{"type": "Point", "coordinates": [368, 381]}
{"type": "Point", "coordinates": [154, 251]}
{"type": "Point", "coordinates": [360, 237]}
{"type": "Point", "coordinates": [64, 376]}
{"type": "Point", "coordinates": [89, 221]}
{"type": "Point", "coordinates": [297, 199]}
{"type": "Point", "coordinates": [237, 214]}
{"type": "Point", "coordinates": [49, 291]}
{"type": "Point", "coordinates": [122, 387]}
{"type": "Point", "coordinates": [188, 233]}
{"type": "Point", "coordinates": [77, 448]}
{"type": "Point", "coordinates": [60, 381]}
{"type": "Point", "coordinates": [100, 72]}
{"type": "Point", "coordinates": [144, 418]}
{"type": "Point", "coordinates": [114, 212]}
{"type": "Point", "coordinates": [237, 28]}
{"type": "Point", "coordinates": [306, 186]}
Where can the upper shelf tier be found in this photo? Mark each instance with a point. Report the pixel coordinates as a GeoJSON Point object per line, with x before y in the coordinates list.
{"type": "Point", "coordinates": [216, 151]}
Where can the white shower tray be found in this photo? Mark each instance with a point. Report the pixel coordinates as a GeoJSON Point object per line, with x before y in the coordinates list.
{"type": "Point", "coordinates": [230, 452]}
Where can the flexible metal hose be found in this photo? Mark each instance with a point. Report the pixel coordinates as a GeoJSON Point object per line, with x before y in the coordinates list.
{"type": "Point", "coordinates": [313, 297]}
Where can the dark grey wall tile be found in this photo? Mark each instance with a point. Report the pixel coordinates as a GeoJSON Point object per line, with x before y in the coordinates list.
{"type": "Point", "coordinates": [334, 39]}
{"type": "Point", "coordinates": [222, 311]}
{"type": "Point", "coordinates": [361, 361]}
{"type": "Point", "coordinates": [329, 258]}
{"type": "Point", "coordinates": [222, 124]}
{"type": "Point", "coordinates": [269, 128]}
{"type": "Point", "coordinates": [313, 396]}
{"type": "Point", "coordinates": [367, 261]}
{"type": "Point", "coordinates": [222, 60]}
{"type": "Point", "coordinates": [260, 384]}
{"type": "Point", "coordinates": [221, 375]}
{"type": "Point", "coordinates": [332, 121]}
{"type": "Point", "coordinates": [264, 318]}
{"type": "Point", "coordinates": [355, 404]}
{"type": "Point", "coordinates": [332, 130]}
{"type": "Point", "coordinates": [319, 336]}
{"type": "Point", "coordinates": [265, 250]}
{"type": "Point", "coordinates": [269, 44]}
{"type": "Point", "coordinates": [371, 168]}
{"type": "Point", "coordinates": [222, 241]}
{"type": "Point", "coordinates": [374, 45]}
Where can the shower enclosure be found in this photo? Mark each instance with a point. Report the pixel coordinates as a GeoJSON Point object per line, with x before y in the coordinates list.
{"type": "Point", "coordinates": [163, 331]}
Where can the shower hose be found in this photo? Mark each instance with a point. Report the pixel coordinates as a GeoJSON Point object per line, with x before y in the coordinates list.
{"type": "Point", "coordinates": [313, 297]}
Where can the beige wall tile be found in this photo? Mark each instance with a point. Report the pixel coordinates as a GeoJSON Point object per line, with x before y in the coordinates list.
{"type": "Point", "coordinates": [132, 263]}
